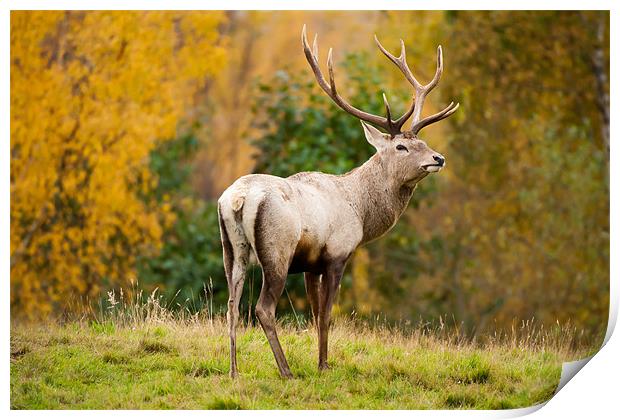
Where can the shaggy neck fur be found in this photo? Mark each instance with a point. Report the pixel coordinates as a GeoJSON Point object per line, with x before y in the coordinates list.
{"type": "Point", "coordinates": [378, 199]}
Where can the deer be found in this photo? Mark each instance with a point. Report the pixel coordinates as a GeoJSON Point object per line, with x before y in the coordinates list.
{"type": "Point", "coordinates": [312, 222]}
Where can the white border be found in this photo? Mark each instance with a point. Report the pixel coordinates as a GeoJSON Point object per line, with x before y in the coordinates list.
{"type": "Point", "coordinates": [594, 390]}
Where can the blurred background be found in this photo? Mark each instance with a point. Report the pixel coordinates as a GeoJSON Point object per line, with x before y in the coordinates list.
{"type": "Point", "coordinates": [126, 127]}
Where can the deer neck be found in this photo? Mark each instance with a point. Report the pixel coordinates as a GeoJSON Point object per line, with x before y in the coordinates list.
{"type": "Point", "coordinates": [378, 199]}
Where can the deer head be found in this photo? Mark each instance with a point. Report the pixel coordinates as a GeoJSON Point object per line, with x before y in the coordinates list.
{"type": "Point", "coordinates": [407, 159]}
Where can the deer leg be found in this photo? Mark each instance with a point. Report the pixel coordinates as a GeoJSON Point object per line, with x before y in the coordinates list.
{"type": "Point", "coordinates": [235, 262]}
{"type": "Point", "coordinates": [235, 289]}
{"type": "Point", "coordinates": [312, 282]}
{"type": "Point", "coordinates": [329, 287]}
{"type": "Point", "coordinates": [273, 285]}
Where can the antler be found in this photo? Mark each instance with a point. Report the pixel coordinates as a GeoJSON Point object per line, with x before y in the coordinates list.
{"type": "Point", "coordinates": [391, 126]}
{"type": "Point", "coordinates": [420, 90]}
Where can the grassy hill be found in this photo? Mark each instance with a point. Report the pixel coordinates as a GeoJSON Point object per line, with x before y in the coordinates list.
{"type": "Point", "coordinates": [159, 361]}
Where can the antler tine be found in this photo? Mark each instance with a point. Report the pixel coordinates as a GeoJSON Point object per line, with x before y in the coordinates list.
{"type": "Point", "coordinates": [445, 113]}
{"type": "Point", "coordinates": [438, 72]}
{"type": "Point", "coordinates": [315, 45]}
{"type": "Point", "coordinates": [330, 87]}
{"type": "Point", "coordinates": [401, 63]}
{"type": "Point", "coordinates": [388, 114]}
{"type": "Point", "coordinates": [312, 60]}
{"type": "Point", "coordinates": [330, 69]}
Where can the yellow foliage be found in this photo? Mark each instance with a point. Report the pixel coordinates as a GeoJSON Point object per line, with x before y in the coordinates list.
{"type": "Point", "coordinates": [361, 290]}
{"type": "Point", "coordinates": [91, 95]}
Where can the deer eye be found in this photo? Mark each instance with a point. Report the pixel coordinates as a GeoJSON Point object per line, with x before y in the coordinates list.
{"type": "Point", "coordinates": [401, 147]}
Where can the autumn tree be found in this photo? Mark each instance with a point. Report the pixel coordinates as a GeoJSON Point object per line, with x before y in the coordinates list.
{"type": "Point", "coordinates": [523, 231]}
{"type": "Point", "coordinates": [91, 94]}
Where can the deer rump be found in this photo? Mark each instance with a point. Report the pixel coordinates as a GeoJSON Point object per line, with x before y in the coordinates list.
{"type": "Point", "coordinates": [270, 218]}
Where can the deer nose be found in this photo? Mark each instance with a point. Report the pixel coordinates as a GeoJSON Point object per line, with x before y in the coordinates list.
{"type": "Point", "coordinates": [439, 159]}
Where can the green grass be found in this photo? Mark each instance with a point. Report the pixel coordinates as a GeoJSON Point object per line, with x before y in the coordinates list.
{"type": "Point", "coordinates": [183, 364]}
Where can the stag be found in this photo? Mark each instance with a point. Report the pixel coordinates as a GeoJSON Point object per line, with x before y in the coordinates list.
{"type": "Point", "coordinates": [312, 222]}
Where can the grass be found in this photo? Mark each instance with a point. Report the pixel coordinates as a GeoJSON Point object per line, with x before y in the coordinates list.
{"type": "Point", "coordinates": [136, 353]}
{"type": "Point", "coordinates": [183, 363]}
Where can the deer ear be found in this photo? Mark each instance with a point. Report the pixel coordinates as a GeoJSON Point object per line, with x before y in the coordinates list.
{"type": "Point", "coordinates": [374, 136]}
